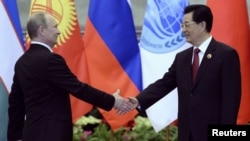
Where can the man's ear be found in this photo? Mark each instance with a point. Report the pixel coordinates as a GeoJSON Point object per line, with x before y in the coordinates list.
{"type": "Point", "coordinates": [41, 30]}
{"type": "Point", "coordinates": [203, 25]}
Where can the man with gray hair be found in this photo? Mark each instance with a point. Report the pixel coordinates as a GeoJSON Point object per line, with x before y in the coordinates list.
{"type": "Point", "coordinates": [39, 102]}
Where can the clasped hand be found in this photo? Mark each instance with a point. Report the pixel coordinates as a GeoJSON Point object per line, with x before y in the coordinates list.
{"type": "Point", "coordinates": [123, 105]}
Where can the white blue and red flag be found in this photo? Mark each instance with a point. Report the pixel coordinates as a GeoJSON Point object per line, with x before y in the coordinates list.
{"type": "Point", "coordinates": [113, 54]}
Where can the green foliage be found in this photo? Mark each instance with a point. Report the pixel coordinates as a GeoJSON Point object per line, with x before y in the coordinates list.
{"type": "Point", "coordinates": [141, 130]}
{"type": "Point", "coordinates": [102, 133]}
{"type": "Point", "coordinates": [78, 129]}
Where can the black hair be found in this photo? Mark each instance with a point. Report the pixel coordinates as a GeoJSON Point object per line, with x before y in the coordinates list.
{"type": "Point", "coordinates": [201, 13]}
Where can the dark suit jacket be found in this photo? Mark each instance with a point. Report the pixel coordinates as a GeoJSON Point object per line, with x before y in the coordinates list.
{"type": "Point", "coordinates": [214, 98]}
{"type": "Point", "coordinates": [42, 83]}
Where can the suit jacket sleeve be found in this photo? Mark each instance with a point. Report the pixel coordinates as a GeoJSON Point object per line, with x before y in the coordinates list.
{"type": "Point", "coordinates": [158, 89]}
{"type": "Point", "coordinates": [16, 112]}
{"type": "Point", "coordinates": [60, 75]}
{"type": "Point", "coordinates": [231, 88]}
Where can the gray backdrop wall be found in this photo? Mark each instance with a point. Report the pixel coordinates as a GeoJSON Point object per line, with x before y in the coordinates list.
{"type": "Point", "coordinates": [138, 9]}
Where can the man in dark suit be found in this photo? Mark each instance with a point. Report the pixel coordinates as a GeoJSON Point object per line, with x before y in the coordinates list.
{"type": "Point", "coordinates": [39, 103]}
{"type": "Point", "coordinates": [213, 97]}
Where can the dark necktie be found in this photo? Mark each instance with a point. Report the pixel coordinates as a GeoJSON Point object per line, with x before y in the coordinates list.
{"type": "Point", "coordinates": [195, 62]}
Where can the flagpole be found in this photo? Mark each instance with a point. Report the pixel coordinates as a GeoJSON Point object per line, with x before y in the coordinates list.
{"type": "Point", "coordinates": [167, 133]}
{"type": "Point", "coordinates": [112, 135]}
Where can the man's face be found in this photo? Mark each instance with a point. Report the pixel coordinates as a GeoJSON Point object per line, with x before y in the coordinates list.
{"type": "Point", "coordinates": [51, 32]}
{"type": "Point", "coordinates": [191, 29]}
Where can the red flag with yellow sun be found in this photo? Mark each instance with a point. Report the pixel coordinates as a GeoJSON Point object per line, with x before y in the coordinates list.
{"type": "Point", "coordinates": [70, 44]}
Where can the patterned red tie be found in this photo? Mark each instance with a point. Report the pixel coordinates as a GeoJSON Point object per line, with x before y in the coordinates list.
{"type": "Point", "coordinates": [195, 63]}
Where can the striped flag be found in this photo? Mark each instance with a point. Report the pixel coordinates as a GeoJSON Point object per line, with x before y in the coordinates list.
{"type": "Point", "coordinates": [161, 39]}
{"type": "Point", "coordinates": [70, 44]}
{"type": "Point", "coordinates": [112, 53]}
{"type": "Point", "coordinates": [231, 27]}
{"type": "Point", "coordinates": [11, 48]}
{"type": "Point", "coordinates": [11, 40]}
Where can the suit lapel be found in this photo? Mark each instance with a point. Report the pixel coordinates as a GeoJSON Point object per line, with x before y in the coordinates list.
{"type": "Point", "coordinates": [207, 58]}
{"type": "Point", "coordinates": [187, 66]}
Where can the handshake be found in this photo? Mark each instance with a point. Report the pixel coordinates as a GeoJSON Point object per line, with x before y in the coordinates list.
{"type": "Point", "coordinates": [122, 105]}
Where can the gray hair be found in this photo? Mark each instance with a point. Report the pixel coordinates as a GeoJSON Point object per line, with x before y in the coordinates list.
{"type": "Point", "coordinates": [35, 21]}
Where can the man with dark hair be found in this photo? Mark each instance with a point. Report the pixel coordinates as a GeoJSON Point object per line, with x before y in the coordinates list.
{"type": "Point", "coordinates": [207, 77]}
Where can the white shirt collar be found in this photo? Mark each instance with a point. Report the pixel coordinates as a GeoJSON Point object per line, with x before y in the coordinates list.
{"type": "Point", "coordinates": [204, 45]}
{"type": "Point", "coordinates": [43, 44]}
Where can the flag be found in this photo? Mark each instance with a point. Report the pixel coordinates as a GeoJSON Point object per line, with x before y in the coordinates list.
{"type": "Point", "coordinates": [161, 39]}
{"type": "Point", "coordinates": [70, 44]}
{"type": "Point", "coordinates": [231, 27]}
{"type": "Point", "coordinates": [112, 53]}
{"type": "Point", "coordinates": [11, 48]}
{"type": "Point", "coordinates": [11, 40]}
